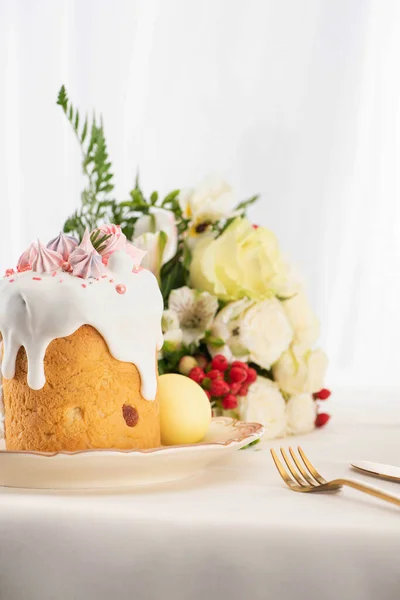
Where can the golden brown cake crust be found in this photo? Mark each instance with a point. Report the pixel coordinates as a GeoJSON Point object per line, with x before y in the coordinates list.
{"type": "Point", "coordinates": [89, 400]}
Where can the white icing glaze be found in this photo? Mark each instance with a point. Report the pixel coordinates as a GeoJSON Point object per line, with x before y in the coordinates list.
{"type": "Point", "coordinates": [33, 312]}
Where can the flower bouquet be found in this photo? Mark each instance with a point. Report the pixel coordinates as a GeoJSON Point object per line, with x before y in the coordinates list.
{"type": "Point", "coordinates": [236, 319]}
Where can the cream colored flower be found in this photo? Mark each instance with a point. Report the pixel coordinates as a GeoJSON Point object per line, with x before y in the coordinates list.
{"type": "Point", "coordinates": [241, 262]}
{"type": "Point", "coordinates": [195, 312]}
{"type": "Point", "coordinates": [211, 201]}
{"type": "Point", "coordinates": [158, 220]}
{"type": "Point", "coordinates": [297, 372]}
{"type": "Point", "coordinates": [302, 319]}
{"type": "Point", "coordinates": [257, 332]}
{"type": "Point", "coordinates": [300, 412]}
{"type": "Point", "coordinates": [265, 404]}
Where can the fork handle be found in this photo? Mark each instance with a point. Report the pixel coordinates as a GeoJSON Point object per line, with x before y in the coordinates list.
{"type": "Point", "coordinates": [368, 489]}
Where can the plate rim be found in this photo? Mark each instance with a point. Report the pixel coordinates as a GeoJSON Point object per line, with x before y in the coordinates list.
{"type": "Point", "coordinates": [246, 431]}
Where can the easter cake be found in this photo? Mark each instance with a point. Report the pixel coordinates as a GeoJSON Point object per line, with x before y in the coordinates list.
{"type": "Point", "coordinates": [81, 326]}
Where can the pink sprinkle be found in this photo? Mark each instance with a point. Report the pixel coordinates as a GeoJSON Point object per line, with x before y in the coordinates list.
{"type": "Point", "coordinates": [54, 274]}
{"type": "Point", "coordinates": [84, 285]}
{"type": "Point", "coordinates": [9, 272]}
{"type": "Point", "coordinates": [37, 278]}
{"type": "Point", "coordinates": [137, 269]}
{"type": "Point", "coordinates": [120, 288]}
{"type": "Point", "coordinates": [11, 280]}
{"type": "Point", "coordinates": [103, 276]}
{"type": "Point", "coordinates": [111, 280]}
{"type": "Point", "coordinates": [60, 281]}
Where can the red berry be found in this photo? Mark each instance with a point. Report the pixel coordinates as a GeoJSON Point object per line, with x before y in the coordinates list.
{"type": "Point", "coordinates": [322, 419]}
{"type": "Point", "coordinates": [255, 226]}
{"type": "Point", "coordinates": [219, 362]}
{"type": "Point", "coordinates": [197, 374]}
{"type": "Point", "coordinates": [229, 402]}
{"type": "Point", "coordinates": [239, 363]}
{"type": "Point", "coordinates": [244, 390]}
{"type": "Point", "coordinates": [235, 387]}
{"type": "Point", "coordinates": [237, 374]}
{"type": "Point", "coordinates": [214, 374]}
{"type": "Point", "coordinates": [322, 394]}
{"type": "Point", "coordinates": [201, 360]}
{"type": "Point", "coordinates": [251, 375]}
{"type": "Point", "coordinates": [208, 394]}
{"type": "Point", "coordinates": [219, 387]}
{"type": "Point", "coordinates": [9, 272]}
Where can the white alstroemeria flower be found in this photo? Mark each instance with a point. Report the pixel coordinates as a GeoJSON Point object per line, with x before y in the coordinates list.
{"type": "Point", "coordinates": [302, 319]}
{"type": "Point", "coordinates": [297, 372]}
{"type": "Point", "coordinates": [195, 311]}
{"type": "Point", "coordinates": [301, 412]}
{"type": "Point", "coordinates": [211, 201]}
{"type": "Point", "coordinates": [158, 220]}
{"type": "Point", "coordinates": [252, 331]}
{"type": "Point", "coordinates": [154, 244]}
{"type": "Point", "coordinates": [265, 404]}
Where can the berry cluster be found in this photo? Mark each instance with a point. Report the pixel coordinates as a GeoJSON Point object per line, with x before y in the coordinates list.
{"type": "Point", "coordinates": [223, 382]}
{"type": "Point", "coordinates": [322, 418]}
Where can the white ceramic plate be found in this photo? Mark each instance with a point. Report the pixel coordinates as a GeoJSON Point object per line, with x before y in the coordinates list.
{"type": "Point", "coordinates": [92, 469]}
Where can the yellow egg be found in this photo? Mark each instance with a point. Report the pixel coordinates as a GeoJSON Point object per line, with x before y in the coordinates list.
{"type": "Point", "coordinates": [185, 410]}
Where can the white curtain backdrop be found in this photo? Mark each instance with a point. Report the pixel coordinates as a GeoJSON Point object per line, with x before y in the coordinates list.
{"type": "Point", "coordinates": [296, 100]}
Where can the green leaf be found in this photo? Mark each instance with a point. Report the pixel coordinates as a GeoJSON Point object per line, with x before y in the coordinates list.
{"type": "Point", "coordinates": [216, 342]}
{"type": "Point", "coordinates": [154, 198]}
{"type": "Point", "coordinates": [71, 112]}
{"type": "Point", "coordinates": [243, 206]}
{"type": "Point", "coordinates": [76, 124]}
{"type": "Point", "coordinates": [62, 98]}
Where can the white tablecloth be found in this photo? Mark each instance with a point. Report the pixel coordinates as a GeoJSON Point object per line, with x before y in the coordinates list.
{"type": "Point", "coordinates": [235, 532]}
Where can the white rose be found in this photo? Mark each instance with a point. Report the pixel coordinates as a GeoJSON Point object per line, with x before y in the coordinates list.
{"type": "Point", "coordinates": [301, 413]}
{"type": "Point", "coordinates": [158, 220]}
{"type": "Point", "coordinates": [253, 331]}
{"type": "Point", "coordinates": [211, 201]}
{"type": "Point", "coordinates": [265, 404]}
{"type": "Point", "coordinates": [302, 319]}
{"type": "Point", "coordinates": [298, 372]}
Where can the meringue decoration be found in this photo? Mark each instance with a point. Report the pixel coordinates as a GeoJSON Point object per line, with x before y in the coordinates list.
{"type": "Point", "coordinates": [64, 244]}
{"type": "Point", "coordinates": [46, 260]}
{"type": "Point", "coordinates": [26, 259]}
{"type": "Point", "coordinates": [86, 243]}
{"type": "Point", "coordinates": [86, 264]}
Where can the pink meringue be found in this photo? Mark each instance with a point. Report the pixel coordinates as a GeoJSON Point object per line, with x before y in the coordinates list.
{"type": "Point", "coordinates": [64, 244]}
{"type": "Point", "coordinates": [26, 259]}
{"type": "Point", "coordinates": [86, 264]}
{"type": "Point", "coordinates": [46, 261]}
{"type": "Point", "coordinates": [117, 241]}
{"type": "Point", "coordinates": [86, 243]}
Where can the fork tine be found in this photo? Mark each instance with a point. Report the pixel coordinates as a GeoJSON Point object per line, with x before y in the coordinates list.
{"type": "Point", "coordinates": [286, 478]}
{"type": "Point", "coordinates": [310, 467]}
{"type": "Point", "coordinates": [302, 470]}
{"type": "Point", "coordinates": [293, 471]}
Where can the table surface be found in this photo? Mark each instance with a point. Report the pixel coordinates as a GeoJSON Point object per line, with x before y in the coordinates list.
{"type": "Point", "coordinates": [234, 532]}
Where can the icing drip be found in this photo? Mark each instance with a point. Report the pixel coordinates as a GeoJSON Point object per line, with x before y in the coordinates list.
{"type": "Point", "coordinates": [87, 264]}
{"type": "Point", "coordinates": [64, 244]}
{"type": "Point", "coordinates": [46, 260]}
{"type": "Point", "coordinates": [34, 313]}
{"type": "Point", "coordinates": [26, 259]}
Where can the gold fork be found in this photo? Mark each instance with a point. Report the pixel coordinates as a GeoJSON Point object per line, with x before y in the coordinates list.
{"type": "Point", "coordinates": [309, 480]}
